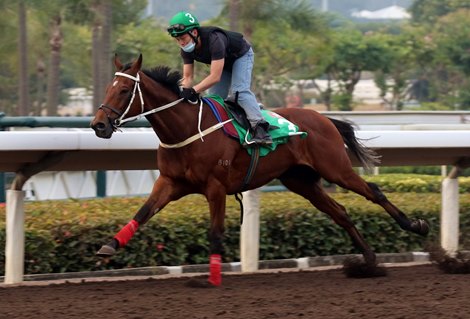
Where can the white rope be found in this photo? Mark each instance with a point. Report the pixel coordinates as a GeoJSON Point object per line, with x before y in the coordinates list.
{"type": "Point", "coordinates": [158, 109]}
{"type": "Point", "coordinates": [136, 79]}
{"type": "Point", "coordinates": [199, 120]}
{"type": "Point", "coordinates": [187, 141]}
{"type": "Point", "coordinates": [197, 136]}
{"type": "Point", "coordinates": [121, 120]}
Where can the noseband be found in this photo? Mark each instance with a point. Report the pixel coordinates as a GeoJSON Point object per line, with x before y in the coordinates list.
{"type": "Point", "coordinates": [121, 120]}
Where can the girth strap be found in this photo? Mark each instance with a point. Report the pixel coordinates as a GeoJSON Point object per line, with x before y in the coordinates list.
{"type": "Point", "coordinates": [246, 181]}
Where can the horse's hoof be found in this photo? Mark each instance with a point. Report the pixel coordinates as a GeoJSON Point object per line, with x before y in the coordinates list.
{"type": "Point", "coordinates": [354, 267]}
{"type": "Point", "coordinates": [460, 264]}
{"type": "Point", "coordinates": [197, 283]}
{"type": "Point", "coordinates": [106, 251]}
{"type": "Point", "coordinates": [420, 226]}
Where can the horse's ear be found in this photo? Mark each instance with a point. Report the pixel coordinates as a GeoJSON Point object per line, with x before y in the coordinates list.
{"type": "Point", "coordinates": [137, 64]}
{"type": "Point", "coordinates": [117, 62]}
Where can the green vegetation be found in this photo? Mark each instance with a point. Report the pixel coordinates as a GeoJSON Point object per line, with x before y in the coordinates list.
{"type": "Point", "coordinates": [63, 236]}
{"type": "Point", "coordinates": [404, 183]}
{"type": "Point", "coordinates": [424, 59]}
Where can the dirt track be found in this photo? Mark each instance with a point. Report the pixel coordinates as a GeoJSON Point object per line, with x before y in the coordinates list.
{"type": "Point", "coordinates": [407, 292]}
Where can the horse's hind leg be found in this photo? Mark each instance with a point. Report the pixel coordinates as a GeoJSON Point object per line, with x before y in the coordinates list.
{"type": "Point", "coordinates": [305, 182]}
{"type": "Point", "coordinates": [352, 181]}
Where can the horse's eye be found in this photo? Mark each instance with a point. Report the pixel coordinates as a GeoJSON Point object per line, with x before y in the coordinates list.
{"type": "Point", "coordinates": [124, 91]}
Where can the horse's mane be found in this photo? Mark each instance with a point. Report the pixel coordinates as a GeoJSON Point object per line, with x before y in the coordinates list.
{"type": "Point", "coordinates": [163, 75]}
{"type": "Point", "coordinates": [166, 77]}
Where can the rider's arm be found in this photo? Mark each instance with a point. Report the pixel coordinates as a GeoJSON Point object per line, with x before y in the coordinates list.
{"type": "Point", "coordinates": [217, 66]}
{"type": "Point", "coordinates": [188, 75]}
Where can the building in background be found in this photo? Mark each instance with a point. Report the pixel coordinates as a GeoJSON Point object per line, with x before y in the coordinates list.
{"type": "Point", "coordinates": [389, 13]}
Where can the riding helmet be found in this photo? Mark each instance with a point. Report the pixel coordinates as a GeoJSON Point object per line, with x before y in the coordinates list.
{"type": "Point", "coordinates": [181, 23]}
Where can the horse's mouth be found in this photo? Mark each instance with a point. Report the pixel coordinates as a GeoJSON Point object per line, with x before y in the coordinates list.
{"type": "Point", "coordinates": [102, 130]}
{"type": "Point", "coordinates": [105, 135]}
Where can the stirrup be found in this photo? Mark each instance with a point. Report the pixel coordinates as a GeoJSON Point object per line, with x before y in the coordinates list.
{"type": "Point", "coordinates": [266, 141]}
{"type": "Point", "coordinates": [261, 135]}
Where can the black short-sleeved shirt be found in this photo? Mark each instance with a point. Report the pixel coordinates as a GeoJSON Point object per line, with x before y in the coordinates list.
{"type": "Point", "coordinates": [217, 44]}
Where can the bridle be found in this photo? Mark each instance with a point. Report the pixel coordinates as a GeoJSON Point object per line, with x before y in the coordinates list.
{"type": "Point", "coordinates": [121, 120]}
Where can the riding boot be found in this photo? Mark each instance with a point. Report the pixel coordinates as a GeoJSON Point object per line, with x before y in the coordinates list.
{"type": "Point", "coordinates": [260, 134]}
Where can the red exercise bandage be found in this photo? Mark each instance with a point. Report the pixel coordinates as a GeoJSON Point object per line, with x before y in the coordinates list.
{"type": "Point", "coordinates": [126, 233]}
{"type": "Point", "coordinates": [215, 268]}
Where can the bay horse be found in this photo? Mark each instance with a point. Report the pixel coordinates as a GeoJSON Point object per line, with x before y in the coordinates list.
{"type": "Point", "coordinates": [216, 165]}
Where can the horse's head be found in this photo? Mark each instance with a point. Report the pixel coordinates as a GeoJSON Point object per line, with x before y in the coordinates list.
{"type": "Point", "coordinates": [123, 99]}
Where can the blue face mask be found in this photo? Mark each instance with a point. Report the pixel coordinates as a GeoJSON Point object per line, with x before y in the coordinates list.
{"type": "Point", "coordinates": [189, 47]}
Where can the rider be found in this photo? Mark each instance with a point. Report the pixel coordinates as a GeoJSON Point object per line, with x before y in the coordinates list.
{"type": "Point", "coordinates": [230, 58]}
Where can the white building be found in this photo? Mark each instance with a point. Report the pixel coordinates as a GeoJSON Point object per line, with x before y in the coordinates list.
{"type": "Point", "coordinates": [389, 13]}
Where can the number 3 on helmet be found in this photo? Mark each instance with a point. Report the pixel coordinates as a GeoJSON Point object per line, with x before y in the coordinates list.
{"type": "Point", "coordinates": [181, 23]}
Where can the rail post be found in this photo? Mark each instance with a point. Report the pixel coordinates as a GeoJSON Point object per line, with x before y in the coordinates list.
{"type": "Point", "coordinates": [100, 183]}
{"type": "Point", "coordinates": [450, 212]}
{"type": "Point", "coordinates": [249, 234]}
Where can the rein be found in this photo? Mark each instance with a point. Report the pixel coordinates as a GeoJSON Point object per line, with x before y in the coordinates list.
{"type": "Point", "coordinates": [121, 120]}
{"type": "Point", "coordinates": [197, 136]}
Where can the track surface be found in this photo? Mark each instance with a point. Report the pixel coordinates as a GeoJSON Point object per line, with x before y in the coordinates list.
{"type": "Point", "coordinates": [407, 292]}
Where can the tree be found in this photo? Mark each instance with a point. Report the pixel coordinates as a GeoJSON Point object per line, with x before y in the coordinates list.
{"type": "Point", "coordinates": [150, 39]}
{"type": "Point", "coordinates": [53, 14]}
{"type": "Point", "coordinates": [100, 47]}
{"type": "Point", "coordinates": [284, 54]}
{"type": "Point", "coordinates": [299, 14]}
{"type": "Point", "coordinates": [451, 38]}
{"type": "Point", "coordinates": [102, 26]}
{"type": "Point", "coordinates": [234, 9]}
{"type": "Point", "coordinates": [53, 26]}
{"type": "Point", "coordinates": [287, 37]}
{"type": "Point", "coordinates": [53, 88]}
{"type": "Point", "coordinates": [353, 53]}
{"type": "Point", "coordinates": [429, 11]}
{"type": "Point", "coordinates": [395, 76]}
{"type": "Point", "coordinates": [23, 86]}
{"type": "Point", "coordinates": [9, 61]}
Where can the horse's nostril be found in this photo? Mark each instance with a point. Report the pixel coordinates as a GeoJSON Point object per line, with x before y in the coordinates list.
{"type": "Point", "coordinates": [100, 126]}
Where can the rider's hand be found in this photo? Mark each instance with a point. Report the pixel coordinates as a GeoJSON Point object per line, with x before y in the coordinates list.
{"type": "Point", "coordinates": [190, 94]}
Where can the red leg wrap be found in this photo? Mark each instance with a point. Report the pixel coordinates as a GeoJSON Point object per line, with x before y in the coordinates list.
{"type": "Point", "coordinates": [126, 233]}
{"type": "Point", "coordinates": [215, 267]}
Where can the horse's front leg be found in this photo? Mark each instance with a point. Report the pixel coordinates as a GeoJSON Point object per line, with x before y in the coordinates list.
{"type": "Point", "coordinates": [164, 191]}
{"type": "Point", "coordinates": [216, 197]}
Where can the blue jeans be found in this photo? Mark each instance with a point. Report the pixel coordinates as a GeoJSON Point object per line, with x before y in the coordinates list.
{"type": "Point", "coordinates": [239, 80]}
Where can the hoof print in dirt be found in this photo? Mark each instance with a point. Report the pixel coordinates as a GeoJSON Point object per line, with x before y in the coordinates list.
{"type": "Point", "coordinates": [460, 264]}
{"type": "Point", "coordinates": [198, 283]}
{"type": "Point", "coordinates": [355, 267]}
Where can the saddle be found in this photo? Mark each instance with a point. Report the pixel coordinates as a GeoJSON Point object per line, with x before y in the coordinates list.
{"type": "Point", "coordinates": [280, 128]}
{"type": "Point", "coordinates": [237, 112]}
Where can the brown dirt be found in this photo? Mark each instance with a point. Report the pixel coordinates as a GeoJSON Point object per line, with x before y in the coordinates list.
{"type": "Point", "coordinates": [407, 292]}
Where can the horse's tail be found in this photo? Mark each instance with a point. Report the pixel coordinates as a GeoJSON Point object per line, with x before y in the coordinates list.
{"type": "Point", "coordinates": [366, 156]}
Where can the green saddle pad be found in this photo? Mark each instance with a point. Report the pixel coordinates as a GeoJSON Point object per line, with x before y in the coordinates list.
{"type": "Point", "coordinates": [280, 129]}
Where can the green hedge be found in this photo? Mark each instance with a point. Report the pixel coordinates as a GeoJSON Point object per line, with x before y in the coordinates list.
{"type": "Point", "coordinates": [404, 183]}
{"type": "Point", "coordinates": [63, 236]}
{"type": "Point", "coordinates": [423, 170]}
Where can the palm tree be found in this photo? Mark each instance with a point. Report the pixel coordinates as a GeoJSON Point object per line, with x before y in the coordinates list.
{"type": "Point", "coordinates": [55, 41]}
{"type": "Point", "coordinates": [23, 85]}
{"type": "Point", "coordinates": [101, 48]}
{"type": "Point", "coordinates": [234, 7]}
{"type": "Point", "coordinates": [297, 13]}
